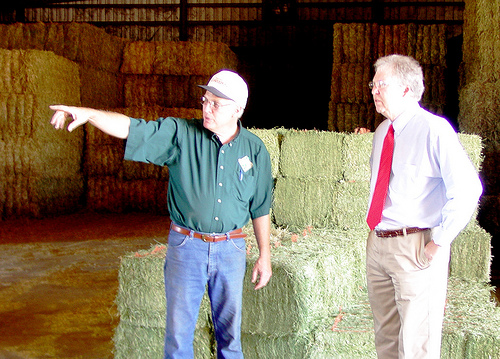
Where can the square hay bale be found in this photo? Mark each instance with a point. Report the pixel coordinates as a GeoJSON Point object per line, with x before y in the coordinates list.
{"type": "Point", "coordinates": [313, 276]}
{"type": "Point", "coordinates": [141, 90]}
{"type": "Point", "coordinates": [312, 154]}
{"type": "Point", "coordinates": [302, 202]}
{"type": "Point", "coordinates": [348, 334]}
{"type": "Point", "coordinates": [479, 109]}
{"type": "Point", "coordinates": [351, 205]}
{"type": "Point", "coordinates": [471, 320]}
{"type": "Point", "coordinates": [138, 58]}
{"type": "Point", "coordinates": [104, 193]}
{"type": "Point", "coordinates": [257, 345]}
{"type": "Point", "coordinates": [177, 58]}
{"type": "Point", "coordinates": [54, 195]}
{"type": "Point", "coordinates": [100, 88]}
{"type": "Point", "coordinates": [103, 160]}
{"type": "Point", "coordinates": [33, 80]}
{"type": "Point", "coordinates": [473, 145]}
{"type": "Point", "coordinates": [16, 112]}
{"type": "Point", "coordinates": [98, 49]}
{"type": "Point", "coordinates": [138, 342]}
{"type": "Point", "coordinates": [471, 255]}
{"type": "Point", "coordinates": [356, 152]}
{"type": "Point", "coordinates": [141, 305]}
{"type": "Point", "coordinates": [320, 202]}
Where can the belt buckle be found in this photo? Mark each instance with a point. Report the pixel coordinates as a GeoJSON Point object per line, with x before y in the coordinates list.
{"type": "Point", "coordinates": [208, 237]}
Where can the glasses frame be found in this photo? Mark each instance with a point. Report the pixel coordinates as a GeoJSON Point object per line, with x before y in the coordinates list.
{"type": "Point", "coordinates": [214, 105]}
{"type": "Point", "coordinates": [380, 84]}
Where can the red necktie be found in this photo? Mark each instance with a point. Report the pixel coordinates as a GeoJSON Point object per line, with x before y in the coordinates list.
{"type": "Point", "coordinates": [382, 184]}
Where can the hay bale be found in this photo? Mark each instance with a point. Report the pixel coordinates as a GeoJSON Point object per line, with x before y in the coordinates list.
{"type": "Point", "coordinates": [98, 49]}
{"type": "Point", "coordinates": [100, 88]}
{"type": "Point", "coordinates": [256, 345]}
{"type": "Point", "coordinates": [104, 193]}
{"type": "Point", "coordinates": [31, 82]}
{"type": "Point", "coordinates": [313, 276]}
{"type": "Point", "coordinates": [142, 90]}
{"type": "Point", "coordinates": [356, 151]}
{"type": "Point", "coordinates": [471, 255]}
{"type": "Point", "coordinates": [177, 58]}
{"type": "Point", "coordinates": [141, 305]}
{"type": "Point", "coordinates": [479, 109]}
{"type": "Point", "coordinates": [138, 58]}
{"type": "Point", "coordinates": [103, 160]}
{"type": "Point", "coordinates": [311, 154]}
{"type": "Point", "coordinates": [320, 202]}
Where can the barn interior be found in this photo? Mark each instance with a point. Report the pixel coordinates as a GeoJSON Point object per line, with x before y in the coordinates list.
{"type": "Point", "coordinates": [74, 214]}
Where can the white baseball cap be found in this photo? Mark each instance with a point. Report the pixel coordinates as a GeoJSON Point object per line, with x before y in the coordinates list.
{"type": "Point", "coordinates": [229, 85]}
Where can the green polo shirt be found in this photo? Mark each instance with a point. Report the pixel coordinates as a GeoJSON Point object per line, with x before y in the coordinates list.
{"type": "Point", "coordinates": [212, 188]}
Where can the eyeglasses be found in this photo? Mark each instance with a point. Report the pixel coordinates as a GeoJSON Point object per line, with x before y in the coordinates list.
{"type": "Point", "coordinates": [213, 104]}
{"type": "Point", "coordinates": [377, 84]}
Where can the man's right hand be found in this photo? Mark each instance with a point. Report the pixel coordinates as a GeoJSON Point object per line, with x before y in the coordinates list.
{"type": "Point", "coordinates": [79, 115]}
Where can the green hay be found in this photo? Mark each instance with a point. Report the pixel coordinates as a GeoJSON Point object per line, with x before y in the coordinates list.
{"type": "Point", "coordinates": [138, 342]}
{"type": "Point", "coordinates": [471, 255]}
{"type": "Point", "coordinates": [141, 306]}
{"type": "Point", "coordinates": [312, 278]}
{"type": "Point", "coordinates": [473, 145]}
{"type": "Point", "coordinates": [356, 153]}
{"type": "Point", "coordinates": [300, 202]}
{"type": "Point", "coordinates": [473, 318]}
{"type": "Point", "coordinates": [320, 202]}
{"type": "Point", "coordinates": [283, 347]}
{"type": "Point", "coordinates": [141, 293]}
{"type": "Point", "coordinates": [306, 154]}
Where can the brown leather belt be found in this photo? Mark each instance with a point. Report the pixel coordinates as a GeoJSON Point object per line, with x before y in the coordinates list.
{"type": "Point", "coordinates": [398, 232]}
{"type": "Point", "coordinates": [237, 233]}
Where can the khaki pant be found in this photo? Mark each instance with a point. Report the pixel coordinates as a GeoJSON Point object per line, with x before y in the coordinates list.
{"type": "Point", "coordinates": [407, 295]}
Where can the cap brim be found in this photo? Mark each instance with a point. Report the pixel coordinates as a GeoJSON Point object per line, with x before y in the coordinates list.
{"type": "Point", "coordinates": [215, 92]}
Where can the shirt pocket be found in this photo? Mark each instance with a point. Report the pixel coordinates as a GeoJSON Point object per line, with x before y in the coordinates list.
{"type": "Point", "coordinates": [403, 182]}
{"type": "Point", "coordinates": [243, 185]}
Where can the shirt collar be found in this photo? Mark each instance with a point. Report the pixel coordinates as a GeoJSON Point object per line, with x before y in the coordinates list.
{"type": "Point", "coordinates": [402, 120]}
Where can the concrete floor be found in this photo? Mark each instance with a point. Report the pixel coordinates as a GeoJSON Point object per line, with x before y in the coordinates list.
{"type": "Point", "coordinates": [59, 280]}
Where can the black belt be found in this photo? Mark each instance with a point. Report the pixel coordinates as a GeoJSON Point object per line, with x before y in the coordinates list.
{"type": "Point", "coordinates": [398, 232]}
{"type": "Point", "coordinates": [237, 233]}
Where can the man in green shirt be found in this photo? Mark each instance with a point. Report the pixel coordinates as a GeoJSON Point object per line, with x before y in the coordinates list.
{"type": "Point", "coordinates": [219, 178]}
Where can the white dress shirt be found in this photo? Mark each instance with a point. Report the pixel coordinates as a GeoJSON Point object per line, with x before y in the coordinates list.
{"type": "Point", "coordinates": [433, 183]}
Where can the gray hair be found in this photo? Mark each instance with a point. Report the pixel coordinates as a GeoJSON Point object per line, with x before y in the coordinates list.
{"type": "Point", "coordinates": [406, 69]}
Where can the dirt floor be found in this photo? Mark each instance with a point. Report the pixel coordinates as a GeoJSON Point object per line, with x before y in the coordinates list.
{"type": "Point", "coordinates": [59, 280]}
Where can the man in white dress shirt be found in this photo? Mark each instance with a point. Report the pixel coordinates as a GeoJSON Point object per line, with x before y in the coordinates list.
{"type": "Point", "coordinates": [433, 192]}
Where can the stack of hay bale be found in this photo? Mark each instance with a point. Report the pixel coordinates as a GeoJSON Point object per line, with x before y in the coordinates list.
{"type": "Point", "coordinates": [357, 46]}
{"type": "Point", "coordinates": [140, 79]}
{"type": "Point", "coordinates": [40, 168]}
{"type": "Point", "coordinates": [160, 80]}
{"type": "Point", "coordinates": [316, 304]}
{"type": "Point", "coordinates": [98, 55]}
{"type": "Point", "coordinates": [480, 97]}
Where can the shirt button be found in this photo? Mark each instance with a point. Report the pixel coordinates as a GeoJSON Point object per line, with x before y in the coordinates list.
{"type": "Point", "coordinates": [222, 151]}
{"type": "Point", "coordinates": [221, 167]}
{"type": "Point", "coordinates": [216, 218]}
{"type": "Point", "coordinates": [220, 184]}
{"type": "Point", "coordinates": [219, 200]}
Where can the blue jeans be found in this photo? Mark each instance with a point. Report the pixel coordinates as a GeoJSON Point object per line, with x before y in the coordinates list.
{"type": "Point", "coordinates": [191, 266]}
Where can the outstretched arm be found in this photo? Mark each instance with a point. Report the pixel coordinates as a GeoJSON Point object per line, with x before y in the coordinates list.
{"type": "Point", "coordinates": [262, 269]}
{"type": "Point", "coordinates": [112, 123]}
